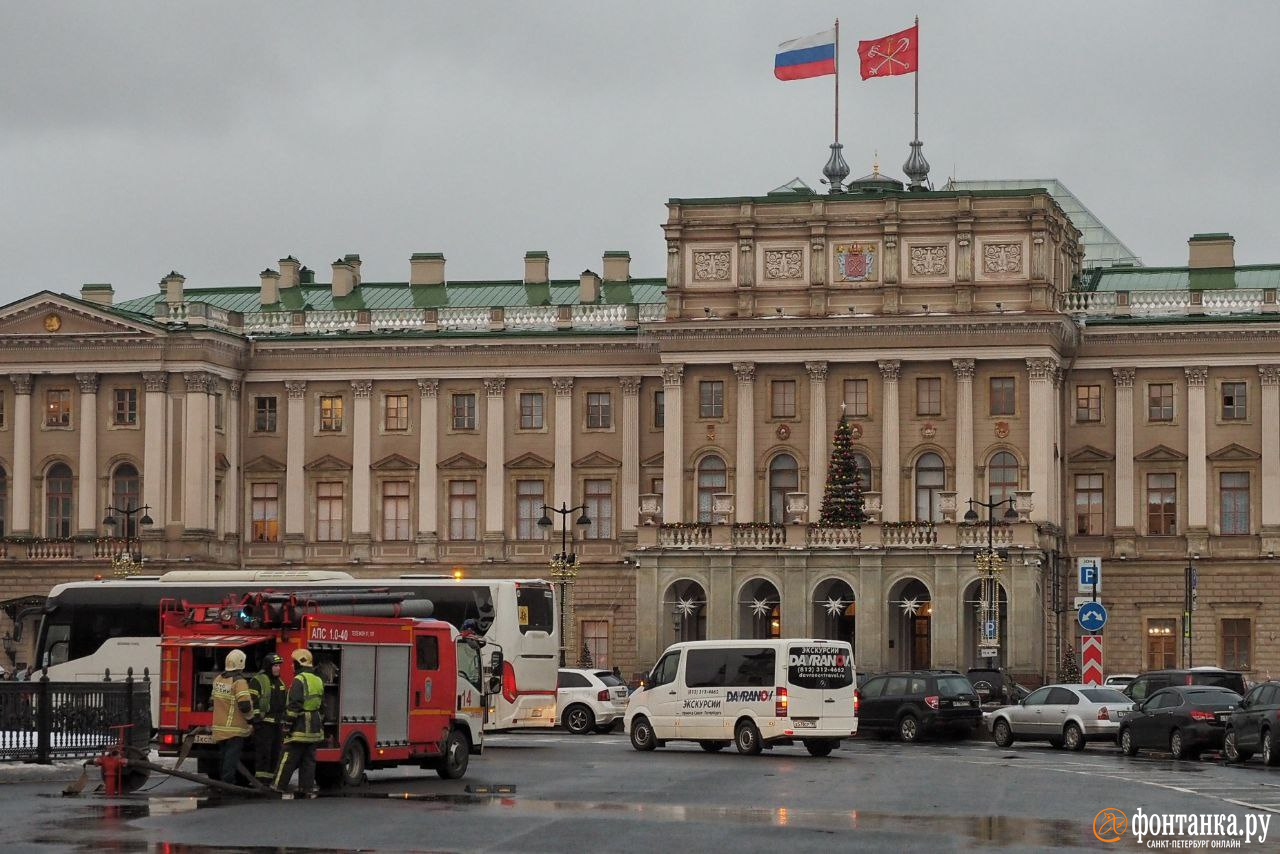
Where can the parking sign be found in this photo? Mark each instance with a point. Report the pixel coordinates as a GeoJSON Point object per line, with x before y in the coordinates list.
{"type": "Point", "coordinates": [1089, 573]}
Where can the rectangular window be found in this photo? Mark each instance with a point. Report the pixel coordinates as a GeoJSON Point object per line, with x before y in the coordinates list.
{"type": "Point", "coordinates": [783, 393]}
{"type": "Point", "coordinates": [1237, 635]}
{"type": "Point", "coordinates": [1162, 504]}
{"type": "Point", "coordinates": [330, 413]}
{"type": "Point", "coordinates": [711, 399]}
{"type": "Point", "coordinates": [599, 410]}
{"type": "Point", "coordinates": [329, 502]}
{"type": "Point", "coordinates": [1003, 396]}
{"type": "Point", "coordinates": [929, 396]}
{"type": "Point", "coordinates": [1234, 401]}
{"type": "Point", "coordinates": [264, 415]}
{"type": "Point", "coordinates": [1160, 402]}
{"type": "Point", "coordinates": [1089, 505]}
{"type": "Point", "coordinates": [125, 413]}
{"type": "Point", "coordinates": [218, 405]}
{"type": "Point", "coordinates": [265, 510]}
{"type": "Point", "coordinates": [656, 486]}
{"type": "Point", "coordinates": [395, 510]}
{"type": "Point", "coordinates": [531, 410]}
{"type": "Point", "coordinates": [57, 408]}
{"type": "Point", "coordinates": [1162, 638]}
{"type": "Point", "coordinates": [462, 508]}
{"type": "Point", "coordinates": [464, 412]}
{"type": "Point", "coordinates": [857, 401]}
{"type": "Point", "coordinates": [531, 495]}
{"type": "Point", "coordinates": [1233, 501]}
{"type": "Point", "coordinates": [395, 412]}
{"type": "Point", "coordinates": [1088, 403]}
{"type": "Point", "coordinates": [598, 497]}
{"type": "Point", "coordinates": [659, 409]}
{"type": "Point", "coordinates": [595, 637]}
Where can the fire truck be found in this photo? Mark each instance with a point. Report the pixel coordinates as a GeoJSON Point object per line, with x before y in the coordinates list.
{"type": "Point", "coordinates": [399, 689]}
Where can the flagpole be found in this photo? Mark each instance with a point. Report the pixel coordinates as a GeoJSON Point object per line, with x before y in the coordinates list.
{"type": "Point", "coordinates": [917, 125]}
{"type": "Point", "coordinates": [837, 139]}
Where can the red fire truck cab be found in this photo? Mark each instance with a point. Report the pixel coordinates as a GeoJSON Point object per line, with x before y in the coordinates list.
{"type": "Point", "coordinates": [397, 690]}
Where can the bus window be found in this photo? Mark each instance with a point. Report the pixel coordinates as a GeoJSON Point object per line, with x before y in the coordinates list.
{"type": "Point", "coordinates": [537, 608]}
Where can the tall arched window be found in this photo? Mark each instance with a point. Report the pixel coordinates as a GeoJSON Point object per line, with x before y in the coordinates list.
{"type": "Point", "coordinates": [57, 506]}
{"type": "Point", "coordinates": [784, 477]}
{"type": "Point", "coordinates": [712, 478]}
{"type": "Point", "coordinates": [931, 479]}
{"type": "Point", "coordinates": [125, 495]}
{"type": "Point", "coordinates": [1002, 478]}
{"type": "Point", "coordinates": [862, 465]}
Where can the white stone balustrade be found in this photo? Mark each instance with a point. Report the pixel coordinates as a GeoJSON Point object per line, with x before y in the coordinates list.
{"type": "Point", "coordinates": [531, 317]}
{"type": "Point", "coordinates": [397, 318]}
{"type": "Point", "coordinates": [975, 536]}
{"type": "Point", "coordinates": [834, 538]}
{"type": "Point", "coordinates": [464, 319]}
{"type": "Point", "coordinates": [758, 536]}
{"type": "Point", "coordinates": [697, 536]}
{"type": "Point", "coordinates": [330, 321]}
{"type": "Point", "coordinates": [267, 322]}
{"type": "Point", "coordinates": [599, 316]}
{"type": "Point", "coordinates": [908, 536]}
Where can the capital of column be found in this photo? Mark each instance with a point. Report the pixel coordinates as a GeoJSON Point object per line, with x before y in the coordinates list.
{"type": "Point", "coordinates": [156, 381]}
{"type": "Point", "coordinates": [1123, 377]}
{"type": "Point", "coordinates": [1196, 375]}
{"type": "Point", "coordinates": [362, 388]}
{"type": "Point", "coordinates": [563, 386]}
{"type": "Point", "coordinates": [630, 386]}
{"type": "Point", "coordinates": [745, 371]}
{"type": "Point", "coordinates": [495, 386]}
{"type": "Point", "coordinates": [1270, 374]}
{"type": "Point", "coordinates": [297, 389]}
{"type": "Point", "coordinates": [963, 369]}
{"type": "Point", "coordinates": [817, 370]}
{"type": "Point", "coordinates": [1059, 377]}
{"type": "Point", "coordinates": [198, 382]}
{"type": "Point", "coordinates": [233, 389]}
{"type": "Point", "coordinates": [890, 369]}
{"type": "Point", "coordinates": [429, 388]}
{"type": "Point", "coordinates": [673, 375]}
{"type": "Point", "coordinates": [1042, 369]}
{"type": "Point", "coordinates": [88, 382]}
{"type": "Point", "coordinates": [21, 383]}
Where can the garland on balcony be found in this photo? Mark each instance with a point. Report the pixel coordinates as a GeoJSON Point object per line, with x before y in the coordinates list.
{"type": "Point", "coordinates": [842, 502]}
{"type": "Point", "coordinates": [754, 526]}
{"type": "Point", "coordinates": [684, 526]}
{"type": "Point", "coordinates": [78, 538]}
{"type": "Point", "coordinates": [894, 526]}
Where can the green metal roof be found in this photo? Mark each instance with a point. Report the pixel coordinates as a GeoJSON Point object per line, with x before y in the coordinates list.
{"type": "Point", "coordinates": [1184, 278]}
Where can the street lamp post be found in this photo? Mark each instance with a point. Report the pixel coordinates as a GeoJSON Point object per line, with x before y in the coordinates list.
{"type": "Point", "coordinates": [990, 563]}
{"type": "Point", "coordinates": [126, 563]}
{"type": "Point", "coordinates": [564, 566]}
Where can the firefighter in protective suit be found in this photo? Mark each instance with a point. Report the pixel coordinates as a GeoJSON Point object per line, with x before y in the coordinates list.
{"type": "Point", "coordinates": [269, 694]}
{"type": "Point", "coordinates": [232, 713]}
{"type": "Point", "coordinates": [302, 726]}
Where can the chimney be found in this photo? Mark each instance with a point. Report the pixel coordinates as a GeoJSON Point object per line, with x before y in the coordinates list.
{"type": "Point", "coordinates": [289, 268]}
{"type": "Point", "coordinates": [344, 278]}
{"type": "Point", "coordinates": [537, 267]}
{"type": "Point", "coordinates": [588, 288]}
{"type": "Point", "coordinates": [617, 266]}
{"type": "Point", "coordinates": [100, 294]}
{"type": "Point", "coordinates": [353, 261]}
{"type": "Point", "coordinates": [270, 294]}
{"type": "Point", "coordinates": [1212, 250]}
{"type": "Point", "coordinates": [173, 286]}
{"type": "Point", "coordinates": [426, 268]}
{"type": "Point", "coordinates": [306, 276]}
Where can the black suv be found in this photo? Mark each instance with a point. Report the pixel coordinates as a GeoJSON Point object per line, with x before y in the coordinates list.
{"type": "Point", "coordinates": [1253, 726]}
{"type": "Point", "coordinates": [914, 703]}
{"type": "Point", "coordinates": [1152, 681]}
{"type": "Point", "coordinates": [994, 687]}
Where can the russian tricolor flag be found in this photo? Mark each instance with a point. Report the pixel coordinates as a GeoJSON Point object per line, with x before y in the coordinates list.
{"type": "Point", "coordinates": [811, 56]}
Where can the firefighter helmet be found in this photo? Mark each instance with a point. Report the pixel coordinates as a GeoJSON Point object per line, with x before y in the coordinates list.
{"type": "Point", "coordinates": [235, 660]}
{"type": "Point", "coordinates": [303, 657]}
{"type": "Point", "coordinates": [271, 661]}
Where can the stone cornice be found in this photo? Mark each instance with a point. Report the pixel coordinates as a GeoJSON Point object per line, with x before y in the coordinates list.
{"type": "Point", "coordinates": [1061, 329]}
{"type": "Point", "coordinates": [1197, 334]}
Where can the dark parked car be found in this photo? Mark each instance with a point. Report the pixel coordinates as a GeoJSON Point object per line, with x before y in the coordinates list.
{"type": "Point", "coordinates": [1254, 726]}
{"type": "Point", "coordinates": [994, 687]}
{"type": "Point", "coordinates": [916, 703]}
{"type": "Point", "coordinates": [1183, 720]}
{"type": "Point", "coordinates": [1152, 681]}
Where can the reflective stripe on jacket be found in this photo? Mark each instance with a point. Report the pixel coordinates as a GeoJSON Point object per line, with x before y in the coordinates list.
{"type": "Point", "coordinates": [232, 706]}
{"type": "Point", "coordinates": [302, 714]}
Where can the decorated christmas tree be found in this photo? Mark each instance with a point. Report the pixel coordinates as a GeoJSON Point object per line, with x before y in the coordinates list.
{"type": "Point", "coordinates": [1070, 670]}
{"type": "Point", "coordinates": [584, 657]}
{"type": "Point", "coordinates": [842, 504]}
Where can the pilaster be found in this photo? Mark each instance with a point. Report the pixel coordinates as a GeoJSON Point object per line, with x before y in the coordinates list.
{"type": "Point", "coordinates": [629, 500]}
{"type": "Point", "coordinates": [673, 444]}
{"type": "Point", "coordinates": [745, 500]}
{"type": "Point", "coordinates": [964, 430]}
{"type": "Point", "coordinates": [88, 512]}
{"type": "Point", "coordinates": [818, 455]}
{"type": "Point", "coordinates": [890, 456]}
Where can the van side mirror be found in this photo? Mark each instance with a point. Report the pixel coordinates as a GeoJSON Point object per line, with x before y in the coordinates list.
{"type": "Point", "coordinates": [496, 661]}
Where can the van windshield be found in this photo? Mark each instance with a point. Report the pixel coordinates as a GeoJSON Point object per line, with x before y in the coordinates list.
{"type": "Point", "coordinates": [819, 667]}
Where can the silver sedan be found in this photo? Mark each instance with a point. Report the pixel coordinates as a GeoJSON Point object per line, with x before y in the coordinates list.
{"type": "Point", "coordinates": [1063, 715]}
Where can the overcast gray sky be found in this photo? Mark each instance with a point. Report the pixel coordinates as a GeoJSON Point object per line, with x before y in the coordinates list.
{"type": "Point", "coordinates": [216, 137]}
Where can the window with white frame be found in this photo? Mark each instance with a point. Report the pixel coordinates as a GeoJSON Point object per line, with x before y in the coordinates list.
{"type": "Point", "coordinates": [531, 403]}
{"type": "Point", "coordinates": [395, 510]}
{"type": "Point", "coordinates": [597, 494]}
{"type": "Point", "coordinates": [464, 412]}
{"type": "Point", "coordinates": [857, 401]}
{"type": "Point", "coordinates": [711, 399]}
{"type": "Point", "coordinates": [330, 413]}
{"type": "Point", "coordinates": [329, 504]}
{"type": "Point", "coordinates": [395, 413]}
{"type": "Point", "coordinates": [784, 398]}
{"type": "Point", "coordinates": [531, 495]}
{"type": "Point", "coordinates": [125, 413]}
{"type": "Point", "coordinates": [1233, 501]}
{"type": "Point", "coordinates": [264, 502]}
{"type": "Point", "coordinates": [462, 509]}
{"type": "Point", "coordinates": [599, 410]}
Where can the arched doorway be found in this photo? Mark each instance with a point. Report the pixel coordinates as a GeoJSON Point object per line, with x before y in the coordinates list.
{"type": "Point", "coordinates": [975, 630]}
{"type": "Point", "coordinates": [684, 613]}
{"type": "Point", "coordinates": [910, 625]}
{"type": "Point", "coordinates": [835, 611]}
{"type": "Point", "coordinates": [759, 610]}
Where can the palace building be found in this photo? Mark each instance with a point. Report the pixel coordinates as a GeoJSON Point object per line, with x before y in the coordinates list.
{"type": "Point", "coordinates": [986, 341]}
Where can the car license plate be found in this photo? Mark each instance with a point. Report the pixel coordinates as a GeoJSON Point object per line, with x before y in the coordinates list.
{"type": "Point", "coordinates": [805, 724]}
{"type": "Point", "coordinates": [204, 739]}
{"type": "Point", "coordinates": [1122, 714]}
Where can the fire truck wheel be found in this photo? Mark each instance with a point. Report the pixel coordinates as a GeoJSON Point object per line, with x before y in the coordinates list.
{"type": "Point", "coordinates": [457, 753]}
{"type": "Point", "coordinates": [354, 762]}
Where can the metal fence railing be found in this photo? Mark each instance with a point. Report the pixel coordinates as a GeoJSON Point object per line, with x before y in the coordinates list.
{"type": "Point", "coordinates": [41, 721]}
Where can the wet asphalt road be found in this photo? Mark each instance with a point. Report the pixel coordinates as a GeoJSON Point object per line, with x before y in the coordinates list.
{"type": "Point", "coordinates": [596, 794]}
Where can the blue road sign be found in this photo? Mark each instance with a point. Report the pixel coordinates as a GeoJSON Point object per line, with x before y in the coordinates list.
{"type": "Point", "coordinates": [1092, 617]}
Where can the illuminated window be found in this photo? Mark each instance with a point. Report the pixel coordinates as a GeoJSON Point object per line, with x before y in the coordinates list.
{"type": "Point", "coordinates": [1089, 505]}
{"type": "Point", "coordinates": [57, 407]}
{"type": "Point", "coordinates": [1162, 504]}
{"type": "Point", "coordinates": [265, 511]}
{"type": "Point", "coordinates": [395, 412]}
{"type": "Point", "coordinates": [330, 413]}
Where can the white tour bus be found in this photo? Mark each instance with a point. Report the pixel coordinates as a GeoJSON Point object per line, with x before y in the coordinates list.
{"type": "Point", "coordinates": [92, 626]}
{"type": "Point", "coordinates": [754, 693]}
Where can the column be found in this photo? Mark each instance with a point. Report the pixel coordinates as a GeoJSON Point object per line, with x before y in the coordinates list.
{"type": "Point", "coordinates": [673, 444]}
{"type": "Point", "coordinates": [964, 434]}
{"type": "Point", "coordinates": [818, 454]}
{"type": "Point", "coordinates": [428, 458]}
{"type": "Point", "coordinates": [1197, 485]}
{"type": "Point", "coordinates": [745, 498]}
{"type": "Point", "coordinates": [1270, 446]}
{"type": "Point", "coordinates": [195, 470]}
{"type": "Point", "coordinates": [21, 453]}
{"type": "Point", "coordinates": [494, 455]}
{"type": "Point", "coordinates": [295, 481]}
{"type": "Point", "coordinates": [231, 482]}
{"type": "Point", "coordinates": [1041, 372]}
{"type": "Point", "coordinates": [890, 474]}
{"type": "Point", "coordinates": [209, 521]}
{"type": "Point", "coordinates": [155, 439]}
{"type": "Point", "coordinates": [361, 425]}
{"type": "Point", "coordinates": [1124, 447]}
{"type": "Point", "coordinates": [562, 491]}
{"type": "Point", "coordinates": [88, 512]}
{"type": "Point", "coordinates": [629, 499]}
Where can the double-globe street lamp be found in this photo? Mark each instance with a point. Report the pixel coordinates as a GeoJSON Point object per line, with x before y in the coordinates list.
{"type": "Point", "coordinates": [990, 564]}
{"type": "Point", "coordinates": [564, 566]}
{"type": "Point", "coordinates": [127, 561]}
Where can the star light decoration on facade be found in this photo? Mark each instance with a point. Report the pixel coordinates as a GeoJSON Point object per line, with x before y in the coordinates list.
{"type": "Point", "coordinates": [686, 607]}
{"type": "Point", "coordinates": [910, 607]}
{"type": "Point", "coordinates": [760, 607]}
{"type": "Point", "coordinates": [835, 607]}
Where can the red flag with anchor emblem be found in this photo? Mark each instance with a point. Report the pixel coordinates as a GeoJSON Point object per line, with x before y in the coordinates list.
{"type": "Point", "coordinates": [895, 54]}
